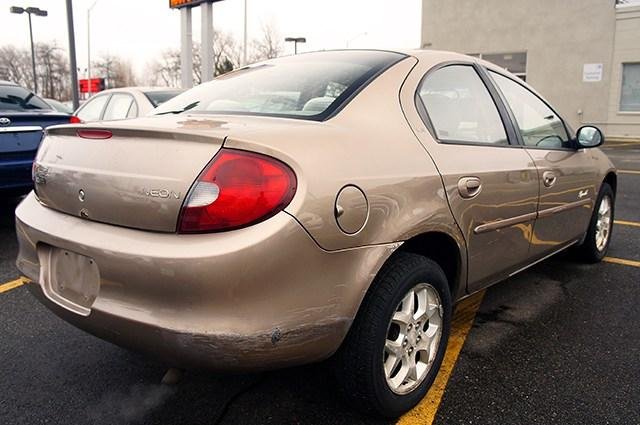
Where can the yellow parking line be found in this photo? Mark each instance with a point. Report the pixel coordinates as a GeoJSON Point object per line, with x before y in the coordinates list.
{"type": "Point", "coordinates": [425, 412]}
{"type": "Point", "coordinates": [13, 284]}
{"type": "Point", "coordinates": [628, 171]}
{"type": "Point", "coordinates": [622, 261]}
{"type": "Point", "coordinates": [627, 223]}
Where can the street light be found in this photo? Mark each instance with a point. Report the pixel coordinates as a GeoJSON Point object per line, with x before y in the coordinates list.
{"type": "Point", "coordinates": [295, 41]}
{"type": "Point", "coordinates": [30, 11]}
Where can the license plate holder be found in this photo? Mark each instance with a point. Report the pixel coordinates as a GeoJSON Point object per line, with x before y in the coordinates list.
{"type": "Point", "coordinates": [69, 279]}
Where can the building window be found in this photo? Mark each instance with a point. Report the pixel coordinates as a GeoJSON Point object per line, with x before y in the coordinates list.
{"type": "Point", "coordinates": [515, 63]}
{"type": "Point", "coordinates": [630, 93]}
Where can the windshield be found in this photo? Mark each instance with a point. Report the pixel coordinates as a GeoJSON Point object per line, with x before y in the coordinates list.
{"type": "Point", "coordinates": [157, 98]}
{"type": "Point", "coordinates": [310, 86]}
{"type": "Point", "coordinates": [14, 98]}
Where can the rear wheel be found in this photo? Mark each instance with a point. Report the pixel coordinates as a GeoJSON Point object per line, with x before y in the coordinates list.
{"type": "Point", "coordinates": [396, 343]}
{"type": "Point", "coordinates": [598, 237]}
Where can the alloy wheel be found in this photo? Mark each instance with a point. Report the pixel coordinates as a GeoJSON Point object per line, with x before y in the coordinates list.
{"type": "Point", "coordinates": [413, 338]}
{"type": "Point", "coordinates": [603, 223]}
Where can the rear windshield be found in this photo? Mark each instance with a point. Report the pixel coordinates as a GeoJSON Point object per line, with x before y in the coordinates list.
{"type": "Point", "coordinates": [310, 86]}
{"type": "Point", "coordinates": [157, 98]}
{"type": "Point", "coordinates": [13, 98]}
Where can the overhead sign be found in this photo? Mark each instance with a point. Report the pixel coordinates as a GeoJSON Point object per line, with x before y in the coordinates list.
{"type": "Point", "coordinates": [592, 72]}
{"type": "Point", "coordinates": [177, 4]}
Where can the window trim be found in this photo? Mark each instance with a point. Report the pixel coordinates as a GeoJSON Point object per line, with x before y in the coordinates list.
{"type": "Point", "coordinates": [512, 140]}
{"type": "Point", "coordinates": [571, 137]}
{"type": "Point", "coordinates": [620, 111]}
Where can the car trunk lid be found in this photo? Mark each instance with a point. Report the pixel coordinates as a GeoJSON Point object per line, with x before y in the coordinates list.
{"type": "Point", "coordinates": [138, 177]}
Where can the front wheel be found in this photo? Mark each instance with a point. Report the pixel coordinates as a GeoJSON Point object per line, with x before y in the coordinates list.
{"type": "Point", "coordinates": [598, 236]}
{"type": "Point", "coordinates": [396, 344]}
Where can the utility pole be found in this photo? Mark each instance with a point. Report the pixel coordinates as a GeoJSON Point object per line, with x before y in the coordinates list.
{"type": "Point", "coordinates": [206, 45]}
{"type": "Point", "coordinates": [244, 40]}
{"type": "Point", "coordinates": [72, 56]}
{"type": "Point", "coordinates": [29, 11]}
{"type": "Point", "coordinates": [186, 46]}
{"type": "Point", "coordinates": [89, 47]}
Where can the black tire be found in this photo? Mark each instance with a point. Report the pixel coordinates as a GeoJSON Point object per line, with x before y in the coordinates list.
{"type": "Point", "coordinates": [359, 362]}
{"type": "Point", "coordinates": [588, 251]}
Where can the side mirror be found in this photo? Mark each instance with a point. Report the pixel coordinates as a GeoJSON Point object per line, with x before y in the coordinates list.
{"type": "Point", "coordinates": [589, 136]}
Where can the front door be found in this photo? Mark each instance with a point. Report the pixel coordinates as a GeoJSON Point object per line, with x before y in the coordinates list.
{"type": "Point", "coordinates": [490, 181]}
{"type": "Point", "coordinates": [565, 177]}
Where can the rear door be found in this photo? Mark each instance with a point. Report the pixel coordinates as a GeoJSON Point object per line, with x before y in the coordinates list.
{"type": "Point", "coordinates": [490, 181]}
{"type": "Point", "coordinates": [566, 175]}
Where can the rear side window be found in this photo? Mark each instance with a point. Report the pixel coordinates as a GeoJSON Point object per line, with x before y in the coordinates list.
{"type": "Point", "coordinates": [460, 107]}
{"type": "Point", "coordinates": [13, 98]}
{"type": "Point", "coordinates": [118, 107]}
{"type": "Point", "coordinates": [539, 125]}
{"type": "Point", "coordinates": [310, 86]}
{"type": "Point", "coordinates": [92, 110]}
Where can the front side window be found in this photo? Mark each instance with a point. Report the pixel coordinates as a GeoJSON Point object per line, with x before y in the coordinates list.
{"type": "Point", "coordinates": [630, 94]}
{"type": "Point", "coordinates": [460, 107]}
{"type": "Point", "coordinates": [539, 125]}
{"type": "Point", "coordinates": [92, 110]}
{"type": "Point", "coordinates": [309, 86]}
{"type": "Point", "coordinates": [118, 107]}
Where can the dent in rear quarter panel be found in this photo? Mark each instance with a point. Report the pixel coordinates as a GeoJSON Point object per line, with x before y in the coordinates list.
{"type": "Point", "coordinates": [369, 145]}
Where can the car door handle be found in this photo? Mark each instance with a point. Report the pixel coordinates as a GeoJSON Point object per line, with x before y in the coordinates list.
{"type": "Point", "coordinates": [469, 187]}
{"type": "Point", "coordinates": [549, 178]}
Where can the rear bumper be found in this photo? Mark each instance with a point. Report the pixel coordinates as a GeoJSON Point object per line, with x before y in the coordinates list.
{"type": "Point", "coordinates": [257, 298]}
{"type": "Point", "coordinates": [15, 174]}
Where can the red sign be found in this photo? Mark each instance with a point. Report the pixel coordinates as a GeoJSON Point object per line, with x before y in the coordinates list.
{"type": "Point", "coordinates": [91, 85]}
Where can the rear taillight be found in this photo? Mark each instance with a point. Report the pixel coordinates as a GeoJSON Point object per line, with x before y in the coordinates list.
{"type": "Point", "coordinates": [75, 120]}
{"type": "Point", "coordinates": [237, 189]}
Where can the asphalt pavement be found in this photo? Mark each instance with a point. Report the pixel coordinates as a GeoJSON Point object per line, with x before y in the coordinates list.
{"type": "Point", "coordinates": [558, 343]}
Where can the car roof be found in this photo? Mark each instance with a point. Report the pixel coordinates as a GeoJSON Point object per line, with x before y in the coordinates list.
{"type": "Point", "coordinates": [7, 83]}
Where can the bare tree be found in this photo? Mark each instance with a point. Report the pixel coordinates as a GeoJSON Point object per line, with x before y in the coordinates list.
{"type": "Point", "coordinates": [269, 46]}
{"type": "Point", "coordinates": [116, 71]}
{"type": "Point", "coordinates": [16, 65]}
{"type": "Point", "coordinates": [165, 70]}
{"type": "Point", "coordinates": [52, 69]}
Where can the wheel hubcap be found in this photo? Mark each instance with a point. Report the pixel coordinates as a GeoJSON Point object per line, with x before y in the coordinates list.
{"type": "Point", "coordinates": [413, 337]}
{"type": "Point", "coordinates": [603, 223]}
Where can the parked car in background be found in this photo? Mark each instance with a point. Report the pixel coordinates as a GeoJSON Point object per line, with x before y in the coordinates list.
{"type": "Point", "coordinates": [59, 106]}
{"type": "Point", "coordinates": [123, 103]}
{"type": "Point", "coordinates": [335, 203]}
{"type": "Point", "coordinates": [23, 116]}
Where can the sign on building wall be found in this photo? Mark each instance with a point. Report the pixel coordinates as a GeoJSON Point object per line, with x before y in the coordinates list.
{"type": "Point", "coordinates": [592, 72]}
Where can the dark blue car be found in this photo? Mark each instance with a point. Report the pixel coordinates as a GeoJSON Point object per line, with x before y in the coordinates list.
{"type": "Point", "coordinates": [23, 116]}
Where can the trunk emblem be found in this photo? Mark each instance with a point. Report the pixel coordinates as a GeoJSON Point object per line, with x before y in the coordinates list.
{"type": "Point", "coordinates": [81, 195]}
{"type": "Point", "coordinates": [4, 121]}
{"type": "Point", "coordinates": [161, 193]}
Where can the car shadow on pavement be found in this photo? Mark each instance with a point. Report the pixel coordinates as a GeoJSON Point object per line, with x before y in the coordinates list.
{"type": "Point", "coordinates": [291, 396]}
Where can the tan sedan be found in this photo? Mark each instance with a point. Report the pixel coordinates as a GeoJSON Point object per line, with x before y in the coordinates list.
{"type": "Point", "coordinates": [326, 204]}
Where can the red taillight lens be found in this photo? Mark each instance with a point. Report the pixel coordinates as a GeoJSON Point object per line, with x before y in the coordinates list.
{"type": "Point", "coordinates": [237, 189]}
{"type": "Point", "coordinates": [94, 134]}
{"type": "Point", "coordinates": [75, 120]}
